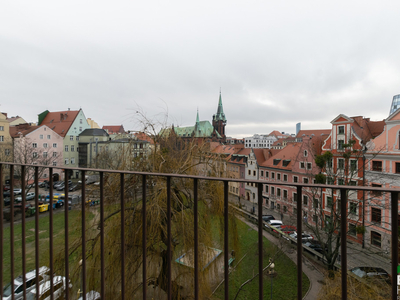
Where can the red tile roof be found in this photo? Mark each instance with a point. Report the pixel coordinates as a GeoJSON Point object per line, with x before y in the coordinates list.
{"type": "Point", "coordinates": [112, 129]}
{"type": "Point", "coordinates": [315, 132]}
{"type": "Point", "coordinates": [23, 129]}
{"type": "Point", "coordinates": [60, 121]}
{"type": "Point", "coordinates": [144, 137]}
{"type": "Point", "coordinates": [288, 154]}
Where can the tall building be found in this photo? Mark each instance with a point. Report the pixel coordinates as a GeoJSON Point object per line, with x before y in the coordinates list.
{"type": "Point", "coordinates": [219, 120]}
{"type": "Point", "coordinates": [395, 104]}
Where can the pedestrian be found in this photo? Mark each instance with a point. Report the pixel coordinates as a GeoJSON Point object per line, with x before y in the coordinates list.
{"type": "Point", "coordinates": [305, 219]}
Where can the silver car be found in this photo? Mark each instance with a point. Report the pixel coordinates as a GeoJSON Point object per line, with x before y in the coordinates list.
{"type": "Point", "coordinates": [30, 279]}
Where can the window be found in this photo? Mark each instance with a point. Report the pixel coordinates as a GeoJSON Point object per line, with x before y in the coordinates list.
{"type": "Point", "coordinates": [266, 174]}
{"type": "Point", "coordinates": [295, 197]}
{"type": "Point", "coordinates": [305, 200]}
{"type": "Point", "coordinates": [249, 172]}
{"type": "Point", "coordinates": [340, 144]}
{"type": "Point", "coordinates": [285, 194]}
{"type": "Point", "coordinates": [302, 165]}
{"type": "Point", "coordinates": [7, 152]}
{"type": "Point", "coordinates": [330, 180]}
{"type": "Point", "coordinates": [254, 173]}
{"type": "Point", "coordinates": [262, 173]}
{"type": "Point", "coordinates": [397, 168]}
{"type": "Point", "coordinates": [305, 153]}
{"type": "Point", "coordinates": [80, 128]}
{"type": "Point", "coordinates": [376, 239]}
{"type": "Point", "coordinates": [34, 154]}
{"type": "Point", "coordinates": [41, 136]}
{"type": "Point", "coordinates": [80, 121]}
{"type": "Point", "coordinates": [54, 145]}
{"type": "Point", "coordinates": [278, 176]}
{"type": "Point", "coordinates": [54, 154]}
{"type": "Point", "coordinates": [266, 188]}
{"type": "Point", "coordinates": [278, 192]}
{"type": "Point", "coordinates": [305, 180]}
{"type": "Point", "coordinates": [315, 203]}
{"type": "Point", "coordinates": [353, 165]}
{"type": "Point", "coordinates": [376, 193]}
{"type": "Point", "coordinates": [284, 208]}
{"type": "Point", "coordinates": [352, 229]}
{"type": "Point", "coordinates": [66, 148]}
{"type": "Point", "coordinates": [66, 161]}
{"type": "Point", "coordinates": [341, 163]}
{"type": "Point", "coordinates": [376, 215]}
{"type": "Point", "coordinates": [45, 154]}
{"type": "Point", "coordinates": [340, 129]}
{"type": "Point", "coordinates": [353, 208]}
{"type": "Point", "coordinates": [72, 148]}
{"type": "Point", "coordinates": [309, 166]}
{"type": "Point", "coordinates": [1, 128]}
{"type": "Point", "coordinates": [72, 160]}
{"type": "Point", "coordinates": [284, 177]}
{"type": "Point", "coordinates": [71, 137]}
{"type": "Point", "coordinates": [295, 179]}
{"type": "Point", "coordinates": [353, 182]}
{"type": "Point", "coordinates": [54, 163]}
{"type": "Point", "coordinates": [376, 166]}
{"type": "Point", "coordinates": [340, 181]}
{"type": "Point", "coordinates": [272, 175]}
{"type": "Point", "coordinates": [329, 201]}
{"type": "Point", "coordinates": [1, 138]}
{"type": "Point", "coordinates": [49, 137]}
{"type": "Point", "coordinates": [330, 163]}
{"type": "Point", "coordinates": [77, 138]}
{"type": "Point", "coordinates": [272, 190]}
{"type": "Point", "coordinates": [45, 145]}
{"type": "Point", "coordinates": [34, 145]}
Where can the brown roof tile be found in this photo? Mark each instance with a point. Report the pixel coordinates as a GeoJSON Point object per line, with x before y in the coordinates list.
{"type": "Point", "coordinates": [60, 121]}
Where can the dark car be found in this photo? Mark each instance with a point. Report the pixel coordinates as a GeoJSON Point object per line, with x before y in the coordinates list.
{"type": "Point", "coordinates": [74, 187]}
{"type": "Point", "coordinates": [7, 202]}
{"type": "Point", "coordinates": [371, 273]}
{"type": "Point", "coordinates": [266, 218]}
{"type": "Point", "coordinates": [314, 245]}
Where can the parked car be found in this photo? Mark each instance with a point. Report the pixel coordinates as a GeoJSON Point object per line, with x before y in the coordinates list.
{"type": "Point", "coordinates": [92, 295]}
{"type": "Point", "coordinates": [60, 187]}
{"type": "Point", "coordinates": [274, 224]}
{"type": "Point", "coordinates": [371, 273]}
{"type": "Point", "coordinates": [266, 218]}
{"type": "Point", "coordinates": [30, 279]}
{"type": "Point", "coordinates": [59, 286]}
{"type": "Point", "coordinates": [29, 196]}
{"type": "Point", "coordinates": [314, 245]}
{"type": "Point", "coordinates": [74, 187]}
{"type": "Point", "coordinates": [288, 229]}
{"type": "Point", "coordinates": [7, 201]}
{"type": "Point", "coordinates": [17, 191]}
{"type": "Point", "coordinates": [6, 187]}
{"type": "Point", "coordinates": [304, 236]}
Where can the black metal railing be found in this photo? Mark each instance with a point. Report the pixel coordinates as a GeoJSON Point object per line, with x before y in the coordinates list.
{"type": "Point", "coordinates": [144, 175]}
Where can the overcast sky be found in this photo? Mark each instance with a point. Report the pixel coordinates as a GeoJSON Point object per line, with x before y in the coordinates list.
{"type": "Point", "coordinates": [276, 62]}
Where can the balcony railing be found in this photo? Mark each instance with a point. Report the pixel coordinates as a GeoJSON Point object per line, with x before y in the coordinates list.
{"type": "Point", "coordinates": [196, 179]}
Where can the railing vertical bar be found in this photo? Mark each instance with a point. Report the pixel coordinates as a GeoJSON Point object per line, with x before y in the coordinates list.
{"type": "Point", "coordinates": [144, 236]}
{"type": "Point", "coordinates": [37, 230]}
{"type": "Point", "coordinates": [1, 224]}
{"type": "Point", "coordinates": [196, 239]}
{"type": "Point", "coordinates": [122, 185]}
{"type": "Point", "coordinates": [169, 238]}
{"type": "Point", "coordinates": [102, 235]}
{"type": "Point", "coordinates": [83, 211]}
{"type": "Point", "coordinates": [23, 185]}
{"type": "Point", "coordinates": [343, 235]}
{"type": "Point", "coordinates": [51, 231]}
{"type": "Point", "coordinates": [66, 241]}
{"type": "Point", "coordinates": [226, 240]}
{"type": "Point", "coordinates": [395, 242]}
{"type": "Point", "coordinates": [299, 242]}
{"type": "Point", "coordinates": [260, 242]}
{"type": "Point", "coordinates": [12, 224]}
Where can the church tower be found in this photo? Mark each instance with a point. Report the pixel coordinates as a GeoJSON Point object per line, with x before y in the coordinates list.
{"type": "Point", "coordinates": [219, 120]}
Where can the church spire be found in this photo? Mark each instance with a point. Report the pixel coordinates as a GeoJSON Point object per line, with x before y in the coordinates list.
{"type": "Point", "coordinates": [220, 111]}
{"type": "Point", "coordinates": [197, 118]}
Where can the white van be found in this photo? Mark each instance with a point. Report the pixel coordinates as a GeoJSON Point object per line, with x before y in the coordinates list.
{"type": "Point", "coordinates": [274, 223]}
{"type": "Point", "coordinates": [59, 286]}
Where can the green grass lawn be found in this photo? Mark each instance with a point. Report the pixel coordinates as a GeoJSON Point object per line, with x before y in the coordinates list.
{"type": "Point", "coordinates": [284, 284]}
{"type": "Point", "coordinates": [44, 243]}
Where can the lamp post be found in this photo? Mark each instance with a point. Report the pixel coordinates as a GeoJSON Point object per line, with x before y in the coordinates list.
{"type": "Point", "coordinates": [363, 197]}
{"type": "Point", "coordinates": [271, 273]}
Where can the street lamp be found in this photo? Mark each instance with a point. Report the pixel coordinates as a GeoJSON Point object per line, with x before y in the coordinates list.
{"type": "Point", "coordinates": [271, 272]}
{"type": "Point", "coordinates": [364, 150]}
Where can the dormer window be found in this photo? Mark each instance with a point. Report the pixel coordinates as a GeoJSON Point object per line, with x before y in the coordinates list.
{"type": "Point", "coordinates": [340, 129]}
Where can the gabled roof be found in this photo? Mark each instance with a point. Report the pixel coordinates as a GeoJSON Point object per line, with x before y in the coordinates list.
{"type": "Point", "coordinates": [60, 121]}
{"type": "Point", "coordinates": [275, 133]}
{"type": "Point", "coordinates": [113, 129]}
{"type": "Point", "coordinates": [285, 158]}
{"type": "Point", "coordinates": [94, 132]}
{"type": "Point", "coordinates": [366, 129]}
{"type": "Point", "coordinates": [24, 129]}
{"type": "Point", "coordinates": [144, 137]}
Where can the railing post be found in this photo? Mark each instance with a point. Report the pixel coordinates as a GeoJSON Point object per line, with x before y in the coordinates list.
{"type": "Point", "coordinates": [122, 186]}
{"type": "Point", "coordinates": [102, 251]}
{"type": "Point", "coordinates": [66, 241]}
{"type": "Point", "coordinates": [83, 225]}
{"type": "Point", "coordinates": [196, 239]}
{"type": "Point", "coordinates": [343, 241]}
{"type": "Point", "coordinates": [37, 230]}
{"type": "Point", "coordinates": [260, 242]}
{"type": "Point", "coordinates": [1, 225]}
{"type": "Point", "coordinates": [226, 239]}
{"type": "Point", "coordinates": [144, 236]}
{"type": "Point", "coordinates": [299, 243]}
{"type": "Point", "coordinates": [12, 224]}
{"type": "Point", "coordinates": [395, 241]}
{"type": "Point", "coordinates": [23, 185]}
{"type": "Point", "coordinates": [51, 231]}
{"type": "Point", "coordinates": [169, 238]}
